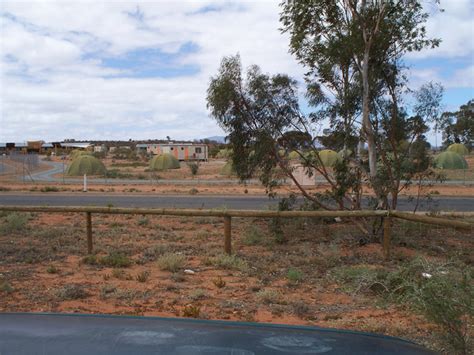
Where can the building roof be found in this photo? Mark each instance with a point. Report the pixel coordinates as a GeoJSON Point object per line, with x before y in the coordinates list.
{"type": "Point", "coordinates": [76, 145]}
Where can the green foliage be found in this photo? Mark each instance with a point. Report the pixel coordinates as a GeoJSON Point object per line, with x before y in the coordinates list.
{"type": "Point", "coordinates": [443, 293]}
{"type": "Point", "coordinates": [6, 287]}
{"type": "Point", "coordinates": [193, 167]}
{"type": "Point", "coordinates": [115, 259]}
{"type": "Point", "coordinates": [224, 153]}
{"type": "Point", "coordinates": [253, 235]}
{"type": "Point", "coordinates": [230, 262]}
{"type": "Point", "coordinates": [125, 153]}
{"type": "Point", "coordinates": [52, 269]}
{"type": "Point", "coordinates": [294, 275]}
{"type": "Point", "coordinates": [458, 127]}
{"type": "Point", "coordinates": [49, 189]}
{"type": "Point", "coordinates": [171, 262]}
{"type": "Point", "coordinates": [269, 296]}
{"type": "Point", "coordinates": [14, 222]}
{"type": "Point", "coordinates": [90, 260]}
{"type": "Point", "coordinates": [143, 221]}
{"type": "Point", "coordinates": [236, 103]}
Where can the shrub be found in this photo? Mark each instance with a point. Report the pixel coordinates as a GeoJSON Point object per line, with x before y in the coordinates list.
{"type": "Point", "coordinates": [252, 236]}
{"type": "Point", "coordinates": [144, 221]}
{"type": "Point", "coordinates": [152, 253]}
{"type": "Point", "coordinates": [90, 260]}
{"type": "Point", "coordinates": [14, 222]}
{"type": "Point", "coordinates": [143, 276]}
{"type": "Point", "coordinates": [115, 259]}
{"type": "Point", "coordinates": [49, 189]}
{"type": "Point", "coordinates": [230, 262]}
{"type": "Point", "coordinates": [52, 269]}
{"type": "Point", "coordinates": [171, 262]}
{"type": "Point", "coordinates": [269, 296]}
{"type": "Point", "coordinates": [191, 311]}
{"type": "Point", "coordinates": [72, 292]}
{"type": "Point", "coordinates": [197, 294]}
{"type": "Point", "coordinates": [219, 282]}
{"type": "Point", "coordinates": [294, 275]}
{"type": "Point", "coordinates": [193, 167]}
{"type": "Point", "coordinates": [6, 287]}
{"type": "Point", "coordinates": [443, 293]}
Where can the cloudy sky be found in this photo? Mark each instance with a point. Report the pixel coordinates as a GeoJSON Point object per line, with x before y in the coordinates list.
{"type": "Point", "coordinates": [139, 70]}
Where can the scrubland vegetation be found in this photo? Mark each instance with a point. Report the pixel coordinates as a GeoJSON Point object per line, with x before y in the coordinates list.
{"type": "Point", "coordinates": [321, 273]}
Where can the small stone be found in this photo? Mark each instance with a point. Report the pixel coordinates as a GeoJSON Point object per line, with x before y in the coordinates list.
{"type": "Point", "coordinates": [189, 272]}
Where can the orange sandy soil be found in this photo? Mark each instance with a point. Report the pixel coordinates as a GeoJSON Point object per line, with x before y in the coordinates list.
{"type": "Point", "coordinates": [40, 261]}
{"type": "Point", "coordinates": [9, 185]}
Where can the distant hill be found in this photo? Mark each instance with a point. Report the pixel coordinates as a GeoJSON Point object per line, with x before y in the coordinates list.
{"type": "Point", "coordinates": [218, 139]}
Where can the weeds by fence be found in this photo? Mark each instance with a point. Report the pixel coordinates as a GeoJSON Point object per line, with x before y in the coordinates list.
{"type": "Point", "coordinates": [387, 215]}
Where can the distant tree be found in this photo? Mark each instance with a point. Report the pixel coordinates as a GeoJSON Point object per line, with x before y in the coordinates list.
{"type": "Point", "coordinates": [428, 105]}
{"type": "Point", "coordinates": [458, 127]}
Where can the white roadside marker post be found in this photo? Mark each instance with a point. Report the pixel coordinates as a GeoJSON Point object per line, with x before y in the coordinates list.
{"type": "Point", "coordinates": [85, 183]}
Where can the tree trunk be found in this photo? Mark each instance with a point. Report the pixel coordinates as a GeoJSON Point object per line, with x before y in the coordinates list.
{"type": "Point", "coordinates": [366, 124]}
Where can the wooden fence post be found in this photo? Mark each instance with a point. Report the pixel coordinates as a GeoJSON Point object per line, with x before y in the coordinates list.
{"type": "Point", "coordinates": [227, 235]}
{"type": "Point", "coordinates": [89, 232]}
{"type": "Point", "coordinates": [387, 231]}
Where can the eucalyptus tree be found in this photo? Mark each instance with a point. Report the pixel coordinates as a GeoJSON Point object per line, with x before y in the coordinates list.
{"type": "Point", "coordinates": [367, 33]}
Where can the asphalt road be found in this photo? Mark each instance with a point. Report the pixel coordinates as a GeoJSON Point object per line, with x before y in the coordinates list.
{"type": "Point", "coordinates": [200, 201]}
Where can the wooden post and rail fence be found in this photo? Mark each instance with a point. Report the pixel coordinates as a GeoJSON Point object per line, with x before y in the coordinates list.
{"type": "Point", "coordinates": [387, 216]}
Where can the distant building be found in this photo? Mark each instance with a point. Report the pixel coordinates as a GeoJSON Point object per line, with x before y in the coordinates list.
{"type": "Point", "coordinates": [71, 146]}
{"type": "Point", "coordinates": [181, 151]}
{"type": "Point", "coordinates": [100, 148]}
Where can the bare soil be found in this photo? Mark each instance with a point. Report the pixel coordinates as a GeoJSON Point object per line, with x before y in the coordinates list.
{"type": "Point", "coordinates": [43, 268]}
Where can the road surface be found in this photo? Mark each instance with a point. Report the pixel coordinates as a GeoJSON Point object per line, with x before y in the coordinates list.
{"type": "Point", "coordinates": [203, 201]}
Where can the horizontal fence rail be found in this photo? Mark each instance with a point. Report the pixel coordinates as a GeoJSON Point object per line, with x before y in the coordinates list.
{"type": "Point", "coordinates": [387, 215]}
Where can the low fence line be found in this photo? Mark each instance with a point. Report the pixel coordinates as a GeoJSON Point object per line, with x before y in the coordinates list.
{"type": "Point", "coordinates": [387, 215]}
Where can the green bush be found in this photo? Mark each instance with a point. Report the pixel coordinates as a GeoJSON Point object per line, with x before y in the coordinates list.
{"type": "Point", "coordinates": [171, 262]}
{"type": "Point", "coordinates": [193, 167]}
{"type": "Point", "coordinates": [115, 259]}
{"type": "Point", "coordinates": [253, 235]}
{"type": "Point", "coordinates": [14, 222]}
{"type": "Point", "coordinates": [294, 275]}
{"type": "Point", "coordinates": [230, 262]}
{"type": "Point", "coordinates": [49, 189]}
{"type": "Point", "coordinates": [442, 293]}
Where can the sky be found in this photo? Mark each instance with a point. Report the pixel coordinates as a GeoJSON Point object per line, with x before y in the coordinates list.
{"type": "Point", "coordinates": [139, 70]}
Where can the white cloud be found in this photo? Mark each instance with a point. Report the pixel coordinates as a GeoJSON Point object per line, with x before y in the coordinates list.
{"type": "Point", "coordinates": [53, 84]}
{"type": "Point", "coordinates": [455, 28]}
